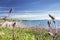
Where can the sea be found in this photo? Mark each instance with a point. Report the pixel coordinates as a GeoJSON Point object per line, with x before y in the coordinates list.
{"type": "Point", "coordinates": [41, 23]}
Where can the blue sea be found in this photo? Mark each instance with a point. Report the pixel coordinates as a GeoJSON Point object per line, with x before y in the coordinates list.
{"type": "Point", "coordinates": [41, 23]}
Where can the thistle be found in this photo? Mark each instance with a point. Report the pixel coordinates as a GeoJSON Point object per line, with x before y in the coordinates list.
{"type": "Point", "coordinates": [13, 31]}
{"type": "Point", "coordinates": [6, 17]}
{"type": "Point", "coordinates": [53, 19]}
{"type": "Point", "coordinates": [49, 22]}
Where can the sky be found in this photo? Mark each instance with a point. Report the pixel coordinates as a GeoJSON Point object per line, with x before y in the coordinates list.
{"type": "Point", "coordinates": [30, 9]}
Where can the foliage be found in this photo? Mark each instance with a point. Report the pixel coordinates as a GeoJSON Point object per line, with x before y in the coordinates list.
{"type": "Point", "coordinates": [23, 34]}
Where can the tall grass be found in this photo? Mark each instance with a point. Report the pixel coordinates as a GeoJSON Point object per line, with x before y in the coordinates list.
{"type": "Point", "coordinates": [24, 34]}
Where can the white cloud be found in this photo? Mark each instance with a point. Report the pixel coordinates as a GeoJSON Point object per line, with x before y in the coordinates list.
{"type": "Point", "coordinates": [37, 16]}
{"type": "Point", "coordinates": [3, 14]}
{"type": "Point", "coordinates": [29, 15]}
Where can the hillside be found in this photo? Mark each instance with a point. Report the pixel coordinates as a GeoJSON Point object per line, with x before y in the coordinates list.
{"type": "Point", "coordinates": [25, 34]}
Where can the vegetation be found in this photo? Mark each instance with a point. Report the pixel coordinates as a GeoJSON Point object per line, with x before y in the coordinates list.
{"type": "Point", "coordinates": [24, 34]}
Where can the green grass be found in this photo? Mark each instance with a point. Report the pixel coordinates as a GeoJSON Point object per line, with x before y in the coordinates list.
{"type": "Point", "coordinates": [23, 34]}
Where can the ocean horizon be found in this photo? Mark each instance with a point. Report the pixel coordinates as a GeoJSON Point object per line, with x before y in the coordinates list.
{"type": "Point", "coordinates": [41, 23]}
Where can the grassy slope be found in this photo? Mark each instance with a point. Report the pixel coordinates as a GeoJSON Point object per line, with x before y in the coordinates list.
{"type": "Point", "coordinates": [23, 34]}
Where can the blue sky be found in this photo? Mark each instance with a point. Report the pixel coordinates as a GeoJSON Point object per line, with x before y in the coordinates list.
{"type": "Point", "coordinates": [32, 9]}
